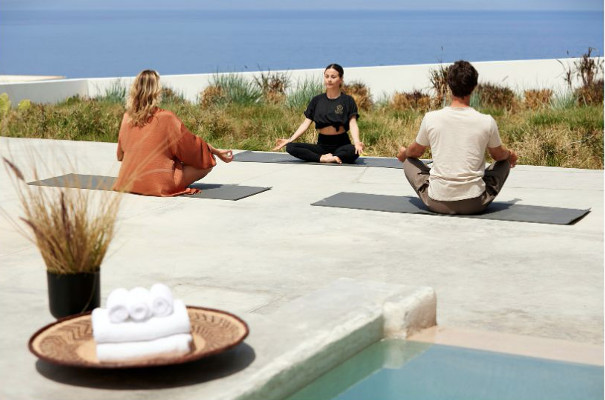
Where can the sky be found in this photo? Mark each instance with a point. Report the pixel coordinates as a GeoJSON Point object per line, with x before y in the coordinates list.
{"type": "Point", "coordinates": [585, 5]}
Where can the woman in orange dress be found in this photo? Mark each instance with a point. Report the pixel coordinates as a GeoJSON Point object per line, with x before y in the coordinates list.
{"type": "Point", "coordinates": [159, 156]}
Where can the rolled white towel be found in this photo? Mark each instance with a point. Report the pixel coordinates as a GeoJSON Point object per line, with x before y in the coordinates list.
{"type": "Point", "coordinates": [174, 345]}
{"type": "Point", "coordinates": [161, 300]}
{"type": "Point", "coordinates": [117, 305]}
{"type": "Point", "coordinates": [139, 304]}
{"type": "Point", "coordinates": [104, 331]}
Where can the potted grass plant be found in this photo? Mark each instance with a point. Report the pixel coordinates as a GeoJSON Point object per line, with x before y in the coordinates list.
{"type": "Point", "coordinates": [72, 229]}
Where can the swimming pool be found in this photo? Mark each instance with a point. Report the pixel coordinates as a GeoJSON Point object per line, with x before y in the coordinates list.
{"type": "Point", "coordinates": [399, 369]}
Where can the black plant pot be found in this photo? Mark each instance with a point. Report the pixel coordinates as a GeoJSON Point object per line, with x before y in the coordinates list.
{"type": "Point", "coordinates": [70, 294]}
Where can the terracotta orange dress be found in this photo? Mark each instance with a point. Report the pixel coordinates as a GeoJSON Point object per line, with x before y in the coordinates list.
{"type": "Point", "coordinates": [154, 155]}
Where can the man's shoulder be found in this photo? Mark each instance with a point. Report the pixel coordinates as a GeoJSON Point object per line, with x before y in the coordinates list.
{"type": "Point", "coordinates": [486, 120]}
{"type": "Point", "coordinates": [435, 114]}
{"type": "Point", "coordinates": [482, 115]}
{"type": "Point", "coordinates": [469, 112]}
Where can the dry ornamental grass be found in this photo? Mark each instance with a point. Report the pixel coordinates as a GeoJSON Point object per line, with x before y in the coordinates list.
{"type": "Point", "coordinates": [415, 101]}
{"type": "Point", "coordinates": [361, 95]}
{"type": "Point", "coordinates": [496, 96]}
{"type": "Point", "coordinates": [537, 98]}
{"type": "Point", "coordinates": [212, 95]}
{"type": "Point", "coordinates": [71, 228]}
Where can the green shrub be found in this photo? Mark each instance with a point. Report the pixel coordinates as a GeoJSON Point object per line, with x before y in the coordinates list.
{"type": "Point", "coordinates": [546, 118]}
{"type": "Point", "coordinates": [24, 105]}
{"type": "Point", "coordinates": [5, 105]}
{"type": "Point", "coordinates": [116, 93]}
{"type": "Point", "coordinates": [563, 100]}
{"type": "Point", "coordinates": [71, 100]}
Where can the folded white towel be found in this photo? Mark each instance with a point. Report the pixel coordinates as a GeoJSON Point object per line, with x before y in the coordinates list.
{"type": "Point", "coordinates": [104, 331]}
{"type": "Point", "coordinates": [117, 305]}
{"type": "Point", "coordinates": [161, 300]}
{"type": "Point", "coordinates": [139, 303]}
{"type": "Point", "coordinates": [174, 345]}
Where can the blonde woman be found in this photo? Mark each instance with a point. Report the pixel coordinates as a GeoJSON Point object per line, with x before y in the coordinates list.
{"type": "Point", "coordinates": [159, 156]}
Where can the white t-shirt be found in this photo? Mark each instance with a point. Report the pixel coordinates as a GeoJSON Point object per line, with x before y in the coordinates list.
{"type": "Point", "coordinates": [458, 137]}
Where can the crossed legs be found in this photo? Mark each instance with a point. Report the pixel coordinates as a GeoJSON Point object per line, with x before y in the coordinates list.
{"type": "Point", "coordinates": [417, 173]}
{"type": "Point", "coordinates": [314, 152]}
{"type": "Point", "coordinates": [186, 175]}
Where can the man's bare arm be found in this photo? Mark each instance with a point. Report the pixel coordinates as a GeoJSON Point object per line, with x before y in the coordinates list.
{"type": "Point", "coordinates": [500, 153]}
{"type": "Point", "coordinates": [414, 150]}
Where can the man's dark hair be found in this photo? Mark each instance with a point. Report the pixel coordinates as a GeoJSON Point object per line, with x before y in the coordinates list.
{"type": "Point", "coordinates": [462, 78]}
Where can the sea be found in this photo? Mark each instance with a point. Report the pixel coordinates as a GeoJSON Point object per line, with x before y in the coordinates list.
{"type": "Point", "coordinates": [115, 43]}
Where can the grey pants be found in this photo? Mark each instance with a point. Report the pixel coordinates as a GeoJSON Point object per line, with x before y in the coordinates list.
{"type": "Point", "coordinates": [418, 176]}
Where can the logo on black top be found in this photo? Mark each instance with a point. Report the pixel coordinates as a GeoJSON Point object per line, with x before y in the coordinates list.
{"type": "Point", "coordinates": [339, 109]}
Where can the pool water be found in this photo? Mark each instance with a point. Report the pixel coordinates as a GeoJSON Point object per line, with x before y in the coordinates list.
{"type": "Point", "coordinates": [399, 369]}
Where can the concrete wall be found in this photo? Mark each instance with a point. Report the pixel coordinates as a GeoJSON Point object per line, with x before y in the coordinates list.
{"type": "Point", "coordinates": [45, 91]}
{"type": "Point", "coordinates": [382, 81]}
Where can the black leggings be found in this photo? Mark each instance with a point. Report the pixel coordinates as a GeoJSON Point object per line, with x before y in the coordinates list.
{"type": "Point", "coordinates": [338, 145]}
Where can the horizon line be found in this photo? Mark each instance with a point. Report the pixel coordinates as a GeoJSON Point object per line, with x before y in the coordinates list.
{"type": "Point", "coordinates": [248, 9]}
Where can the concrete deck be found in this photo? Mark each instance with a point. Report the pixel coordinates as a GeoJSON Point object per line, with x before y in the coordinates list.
{"type": "Point", "coordinates": [264, 256]}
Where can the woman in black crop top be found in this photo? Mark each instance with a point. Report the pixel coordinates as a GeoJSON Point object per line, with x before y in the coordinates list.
{"type": "Point", "coordinates": [334, 113]}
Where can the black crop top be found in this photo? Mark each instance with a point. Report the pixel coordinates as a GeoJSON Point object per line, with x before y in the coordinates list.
{"type": "Point", "coordinates": [331, 112]}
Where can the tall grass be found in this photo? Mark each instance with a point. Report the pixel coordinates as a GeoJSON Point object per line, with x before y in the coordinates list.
{"type": "Point", "coordinates": [545, 128]}
{"type": "Point", "coordinates": [74, 119]}
{"type": "Point", "coordinates": [438, 79]}
{"type": "Point", "coordinates": [115, 93]}
{"type": "Point", "coordinates": [560, 134]}
{"type": "Point", "coordinates": [237, 89]}
{"type": "Point", "coordinates": [563, 100]}
{"type": "Point", "coordinates": [305, 89]}
{"type": "Point", "coordinates": [588, 70]}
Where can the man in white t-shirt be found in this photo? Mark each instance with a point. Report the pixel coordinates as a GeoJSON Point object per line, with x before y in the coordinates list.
{"type": "Point", "coordinates": [458, 135]}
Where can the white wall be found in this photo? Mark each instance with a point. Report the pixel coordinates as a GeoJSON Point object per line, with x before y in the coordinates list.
{"type": "Point", "coordinates": [45, 91]}
{"type": "Point", "coordinates": [382, 81]}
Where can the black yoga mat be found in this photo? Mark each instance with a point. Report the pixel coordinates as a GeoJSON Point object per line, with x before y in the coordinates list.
{"type": "Point", "coordinates": [285, 158]}
{"type": "Point", "coordinates": [208, 190]}
{"type": "Point", "coordinates": [413, 205]}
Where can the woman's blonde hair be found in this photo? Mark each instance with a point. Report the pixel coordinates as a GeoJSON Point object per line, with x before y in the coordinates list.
{"type": "Point", "coordinates": [144, 97]}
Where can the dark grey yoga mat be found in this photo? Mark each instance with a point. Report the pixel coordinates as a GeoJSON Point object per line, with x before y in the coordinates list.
{"type": "Point", "coordinates": [413, 205]}
{"type": "Point", "coordinates": [285, 158]}
{"type": "Point", "coordinates": [208, 190]}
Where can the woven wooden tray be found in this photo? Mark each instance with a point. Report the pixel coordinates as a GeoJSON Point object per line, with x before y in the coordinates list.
{"type": "Point", "coordinates": [69, 341]}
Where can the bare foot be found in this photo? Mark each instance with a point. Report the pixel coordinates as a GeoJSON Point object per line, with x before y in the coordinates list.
{"type": "Point", "coordinates": [329, 158]}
